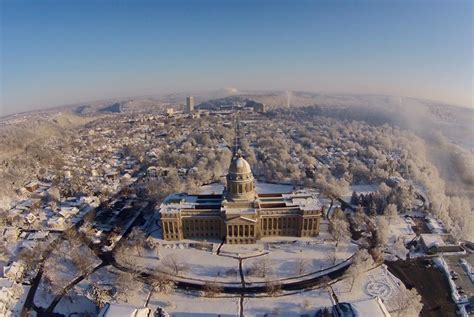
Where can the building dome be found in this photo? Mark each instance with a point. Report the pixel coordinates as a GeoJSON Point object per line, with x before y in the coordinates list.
{"type": "Point", "coordinates": [239, 166]}
{"type": "Point", "coordinates": [240, 182]}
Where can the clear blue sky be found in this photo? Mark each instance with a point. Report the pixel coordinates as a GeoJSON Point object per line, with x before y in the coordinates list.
{"type": "Point", "coordinates": [59, 52]}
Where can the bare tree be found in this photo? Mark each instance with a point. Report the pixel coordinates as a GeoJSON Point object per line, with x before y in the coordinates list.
{"type": "Point", "coordinates": [126, 283]}
{"type": "Point", "coordinates": [98, 295]}
{"type": "Point", "coordinates": [54, 277]}
{"type": "Point", "coordinates": [31, 257]}
{"type": "Point", "coordinates": [211, 289]}
{"type": "Point", "coordinates": [272, 288]}
{"type": "Point", "coordinates": [301, 266]}
{"type": "Point", "coordinates": [332, 256]}
{"type": "Point", "coordinates": [160, 283]}
{"type": "Point", "coordinates": [261, 267]}
{"type": "Point", "coordinates": [82, 260]}
{"type": "Point", "coordinates": [136, 240]}
{"type": "Point", "coordinates": [175, 265]}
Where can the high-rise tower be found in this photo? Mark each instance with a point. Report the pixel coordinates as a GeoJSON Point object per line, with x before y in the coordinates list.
{"type": "Point", "coordinates": [190, 104]}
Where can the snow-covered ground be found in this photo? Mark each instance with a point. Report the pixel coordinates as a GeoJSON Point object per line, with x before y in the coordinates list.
{"type": "Point", "coordinates": [285, 256]}
{"type": "Point", "coordinates": [296, 257]}
{"type": "Point", "coordinates": [399, 227]}
{"type": "Point", "coordinates": [378, 282]}
{"type": "Point", "coordinates": [200, 264]}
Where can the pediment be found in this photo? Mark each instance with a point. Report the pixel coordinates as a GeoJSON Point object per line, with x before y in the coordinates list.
{"type": "Point", "coordinates": [240, 220]}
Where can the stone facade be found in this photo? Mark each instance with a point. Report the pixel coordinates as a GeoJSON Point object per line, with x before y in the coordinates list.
{"type": "Point", "coordinates": [239, 214]}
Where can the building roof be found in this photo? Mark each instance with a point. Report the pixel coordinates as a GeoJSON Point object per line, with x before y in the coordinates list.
{"type": "Point", "coordinates": [301, 200]}
{"type": "Point", "coordinates": [432, 240]}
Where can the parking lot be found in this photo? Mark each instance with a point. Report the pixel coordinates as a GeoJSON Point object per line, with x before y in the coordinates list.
{"type": "Point", "coordinates": [461, 279]}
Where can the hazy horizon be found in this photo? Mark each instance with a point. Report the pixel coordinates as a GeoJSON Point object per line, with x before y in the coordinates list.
{"type": "Point", "coordinates": [62, 52]}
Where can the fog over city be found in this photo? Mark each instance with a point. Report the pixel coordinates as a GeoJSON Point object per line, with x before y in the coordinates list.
{"type": "Point", "coordinates": [236, 158]}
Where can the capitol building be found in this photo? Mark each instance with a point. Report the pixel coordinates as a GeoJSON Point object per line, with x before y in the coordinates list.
{"type": "Point", "coordinates": [240, 215]}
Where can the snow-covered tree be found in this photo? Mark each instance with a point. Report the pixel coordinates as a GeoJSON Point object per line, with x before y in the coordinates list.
{"type": "Point", "coordinates": [339, 229]}
{"type": "Point", "coordinates": [391, 212]}
{"type": "Point", "coordinates": [407, 303]}
{"type": "Point", "coordinates": [175, 265]}
{"type": "Point", "coordinates": [126, 283]}
{"type": "Point", "coordinates": [361, 262]}
{"type": "Point", "coordinates": [4, 252]}
{"type": "Point", "coordinates": [383, 230]}
{"type": "Point", "coordinates": [98, 295]}
{"type": "Point", "coordinates": [399, 249]}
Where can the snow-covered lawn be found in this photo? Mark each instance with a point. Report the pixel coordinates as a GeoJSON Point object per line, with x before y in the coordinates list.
{"type": "Point", "coordinates": [399, 228]}
{"type": "Point", "coordinates": [297, 257]}
{"type": "Point", "coordinates": [200, 264]}
{"type": "Point", "coordinates": [285, 257]}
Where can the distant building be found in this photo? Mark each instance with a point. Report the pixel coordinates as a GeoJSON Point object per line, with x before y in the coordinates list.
{"type": "Point", "coordinates": [239, 214]}
{"type": "Point", "coordinates": [189, 104]}
{"type": "Point", "coordinates": [170, 112]}
{"type": "Point", "coordinates": [432, 243]}
{"type": "Point", "coordinates": [256, 106]}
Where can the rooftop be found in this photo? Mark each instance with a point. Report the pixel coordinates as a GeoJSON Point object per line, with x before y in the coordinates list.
{"type": "Point", "coordinates": [177, 202]}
